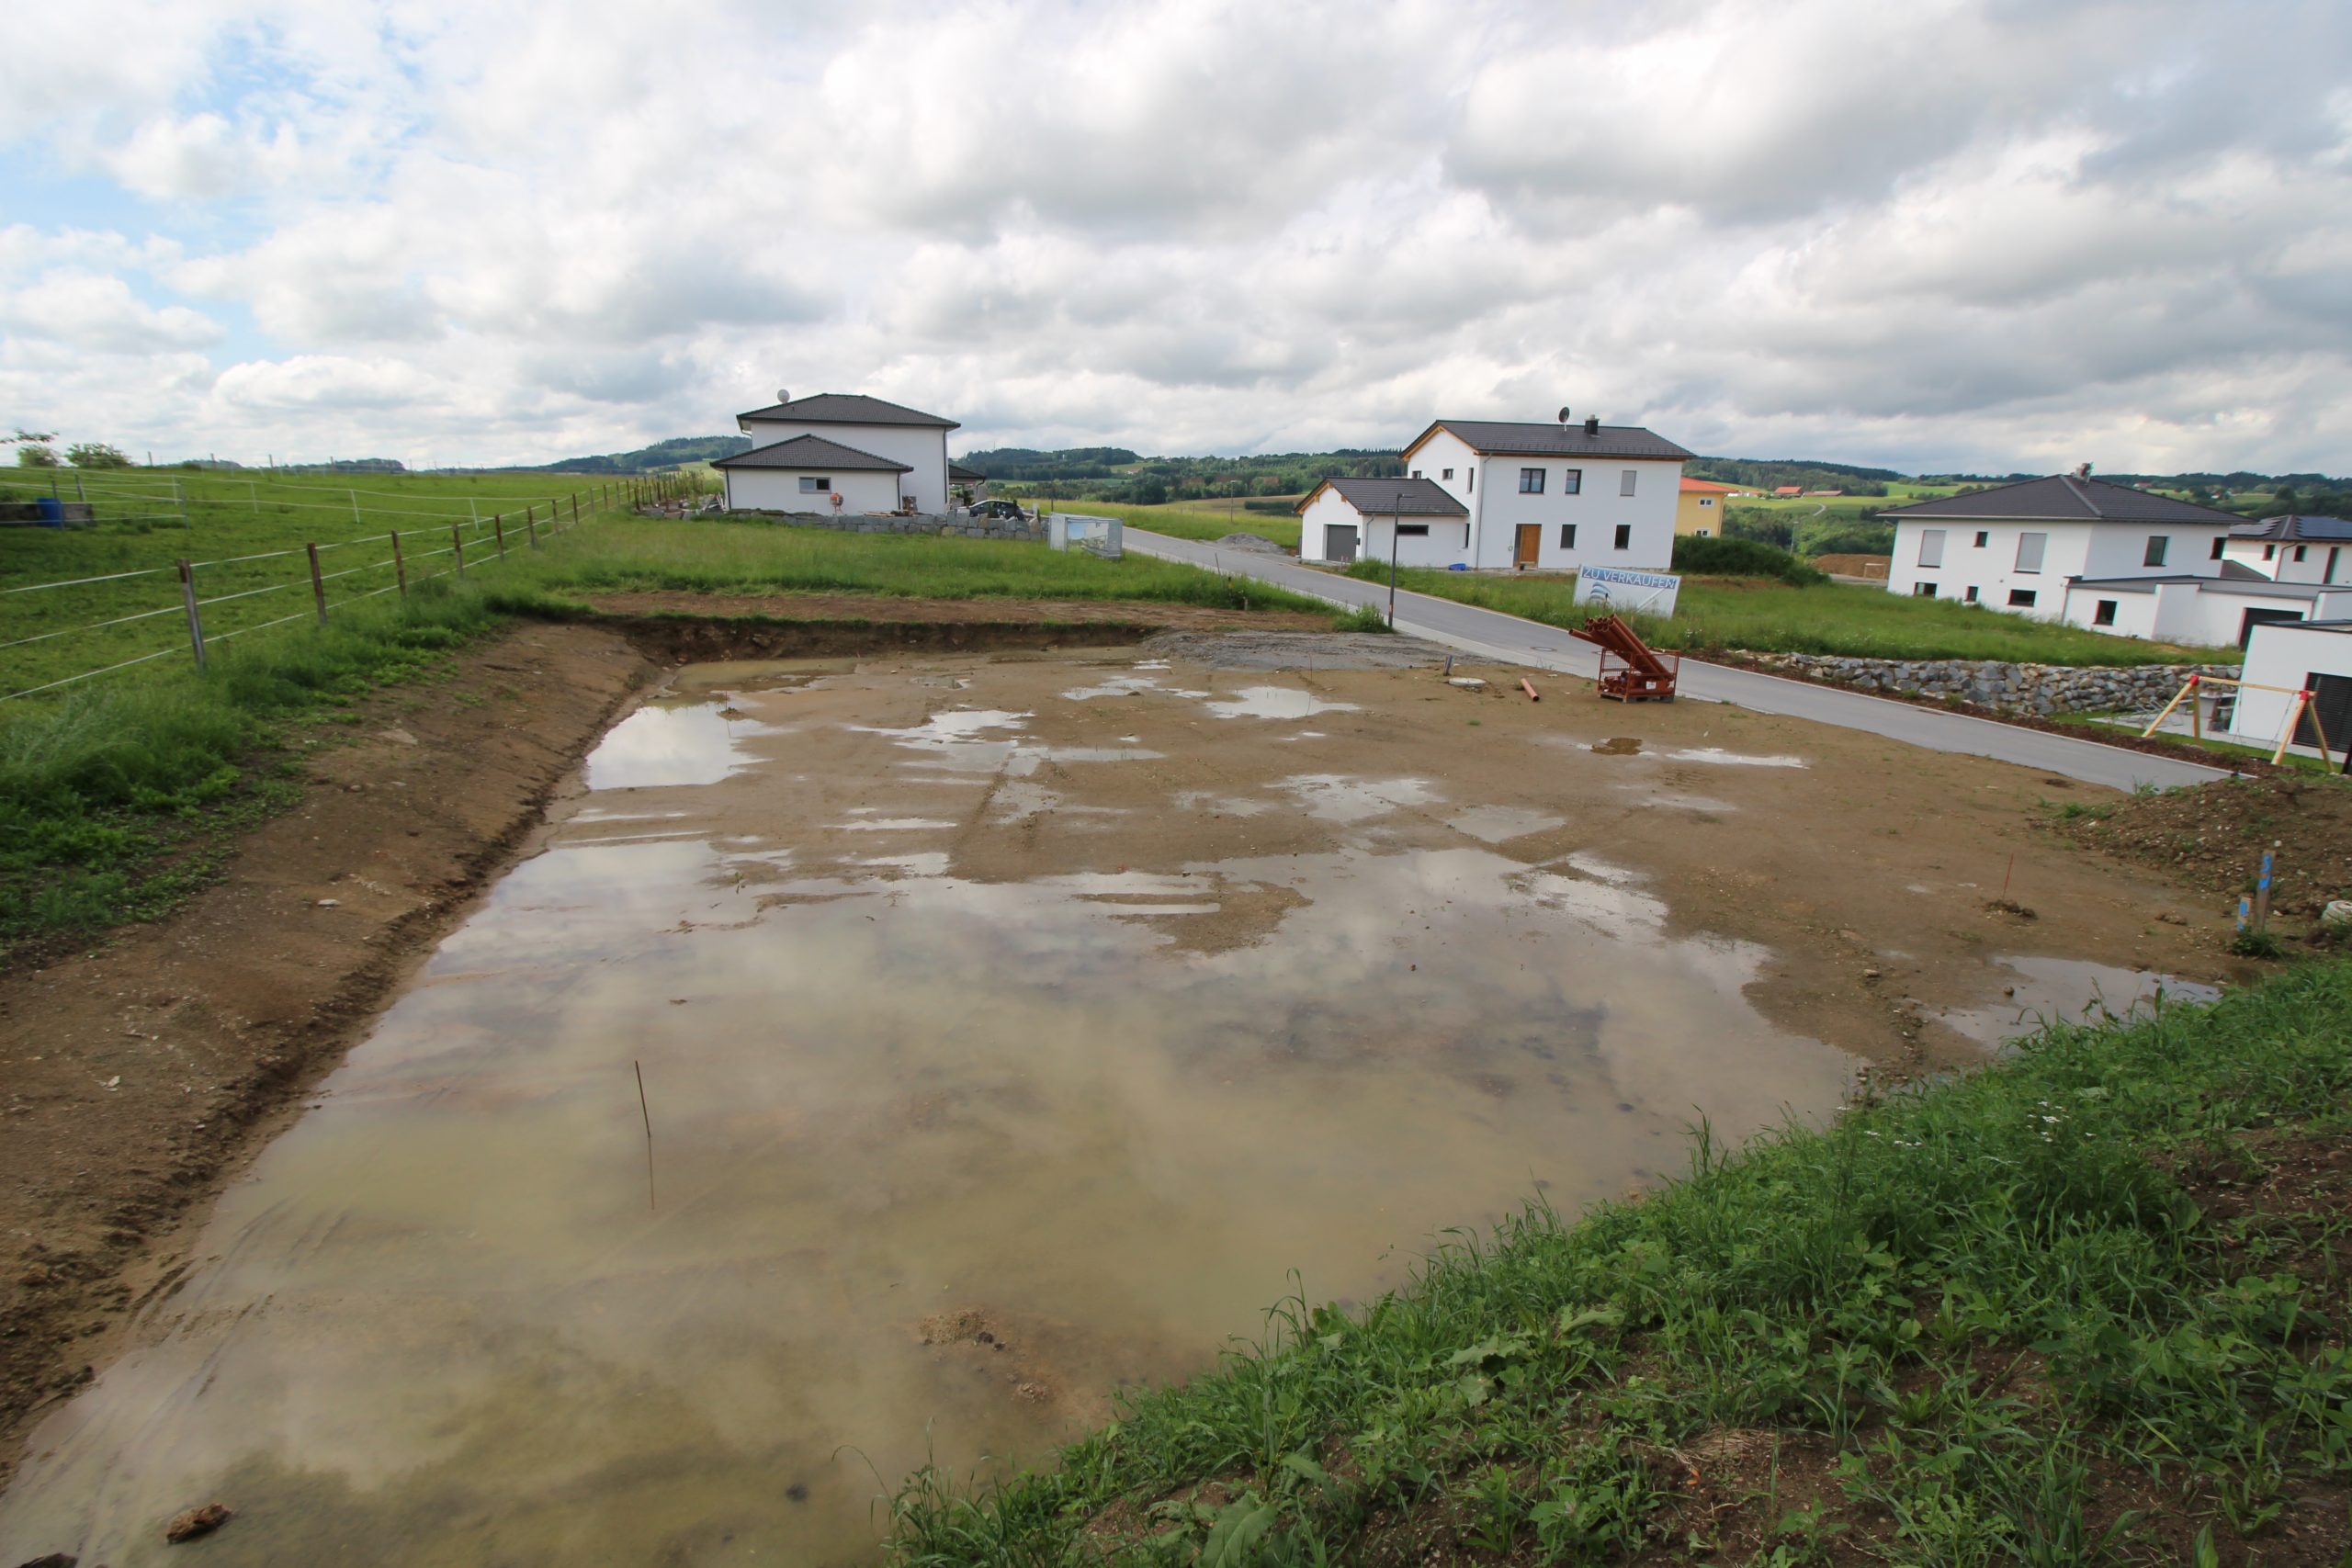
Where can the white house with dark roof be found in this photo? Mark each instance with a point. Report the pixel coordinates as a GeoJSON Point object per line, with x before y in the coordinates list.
{"type": "Point", "coordinates": [2314, 655]}
{"type": "Point", "coordinates": [1548, 497]}
{"type": "Point", "coordinates": [2066, 548]}
{"type": "Point", "coordinates": [2294, 549]}
{"type": "Point", "coordinates": [1350, 520]}
{"type": "Point", "coordinates": [894, 457]}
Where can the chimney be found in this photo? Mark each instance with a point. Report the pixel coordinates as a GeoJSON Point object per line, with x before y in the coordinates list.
{"type": "Point", "coordinates": [2082, 470]}
{"type": "Point", "coordinates": [1592, 425]}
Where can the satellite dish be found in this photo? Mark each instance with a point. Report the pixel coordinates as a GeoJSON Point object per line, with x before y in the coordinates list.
{"type": "Point", "coordinates": [1564, 415]}
{"type": "Point", "coordinates": [783, 397]}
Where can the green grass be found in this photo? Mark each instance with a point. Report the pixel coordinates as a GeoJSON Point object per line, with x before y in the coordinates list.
{"type": "Point", "coordinates": [756, 558]}
{"type": "Point", "coordinates": [1191, 521]}
{"type": "Point", "coordinates": [1768, 616]}
{"type": "Point", "coordinates": [1863, 1293]}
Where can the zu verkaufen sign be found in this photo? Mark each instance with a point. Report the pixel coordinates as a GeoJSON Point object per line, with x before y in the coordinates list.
{"type": "Point", "coordinates": [1635, 592]}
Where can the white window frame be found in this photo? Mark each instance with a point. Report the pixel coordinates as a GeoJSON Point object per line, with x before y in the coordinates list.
{"type": "Point", "coordinates": [1625, 484]}
{"type": "Point", "coordinates": [1932, 548]}
{"type": "Point", "coordinates": [1531, 481]}
{"type": "Point", "coordinates": [2040, 551]}
{"type": "Point", "coordinates": [815, 484]}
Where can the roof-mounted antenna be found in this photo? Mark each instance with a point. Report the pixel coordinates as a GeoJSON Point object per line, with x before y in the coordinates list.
{"type": "Point", "coordinates": [782, 396]}
{"type": "Point", "coordinates": [1564, 414]}
{"type": "Point", "coordinates": [2082, 470]}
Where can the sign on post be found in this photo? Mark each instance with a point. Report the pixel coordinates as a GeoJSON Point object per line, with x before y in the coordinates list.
{"type": "Point", "coordinates": [1628, 592]}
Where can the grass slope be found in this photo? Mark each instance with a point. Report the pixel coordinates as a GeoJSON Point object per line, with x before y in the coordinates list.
{"type": "Point", "coordinates": [1982, 1321]}
{"type": "Point", "coordinates": [1769, 616]}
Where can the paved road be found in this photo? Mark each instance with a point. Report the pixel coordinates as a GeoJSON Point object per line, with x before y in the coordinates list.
{"type": "Point", "coordinates": [1497, 635]}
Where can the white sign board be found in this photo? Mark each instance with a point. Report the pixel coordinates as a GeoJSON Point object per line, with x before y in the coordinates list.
{"type": "Point", "coordinates": [1628, 592]}
{"type": "Point", "coordinates": [1075, 530]}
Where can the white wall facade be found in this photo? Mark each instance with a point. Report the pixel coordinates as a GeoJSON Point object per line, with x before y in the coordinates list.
{"type": "Point", "coordinates": [779, 490]}
{"type": "Point", "coordinates": [923, 447]}
{"type": "Point", "coordinates": [2205, 615]}
{"type": "Point", "coordinates": [2069, 549]}
{"type": "Point", "coordinates": [2291, 562]}
{"type": "Point", "coordinates": [1445, 542]}
{"type": "Point", "coordinates": [2286, 656]}
{"type": "Point", "coordinates": [1595, 512]}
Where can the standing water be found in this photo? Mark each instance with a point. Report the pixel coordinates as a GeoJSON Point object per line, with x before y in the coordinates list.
{"type": "Point", "coordinates": [940, 1158]}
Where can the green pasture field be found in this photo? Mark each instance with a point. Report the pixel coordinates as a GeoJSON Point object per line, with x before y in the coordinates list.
{"type": "Point", "coordinates": [2052, 1312]}
{"type": "Point", "coordinates": [1764, 615]}
{"type": "Point", "coordinates": [1193, 520]}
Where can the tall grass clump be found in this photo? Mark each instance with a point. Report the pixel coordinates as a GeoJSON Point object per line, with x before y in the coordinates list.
{"type": "Point", "coordinates": [98, 784]}
{"type": "Point", "coordinates": [1985, 1307]}
{"type": "Point", "coordinates": [1741, 557]}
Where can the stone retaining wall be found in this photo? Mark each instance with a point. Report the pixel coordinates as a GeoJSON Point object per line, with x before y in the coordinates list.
{"type": "Point", "coordinates": [960, 525]}
{"type": "Point", "coordinates": [2013, 688]}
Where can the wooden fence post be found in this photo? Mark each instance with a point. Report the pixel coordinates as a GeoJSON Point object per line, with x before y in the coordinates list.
{"type": "Point", "coordinates": [531, 528]}
{"type": "Point", "coordinates": [498, 526]}
{"type": "Point", "coordinates": [195, 617]}
{"type": "Point", "coordinates": [458, 542]}
{"type": "Point", "coordinates": [318, 583]}
{"type": "Point", "coordinates": [399, 566]}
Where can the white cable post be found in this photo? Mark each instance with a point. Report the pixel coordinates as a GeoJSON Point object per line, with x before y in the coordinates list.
{"type": "Point", "coordinates": [179, 494]}
{"type": "Point", "coordinates": [354, 506]}
{"type": "Point", "coordinates": [252, 492]}
{"type": "Point", "coordinates": [195, 617]}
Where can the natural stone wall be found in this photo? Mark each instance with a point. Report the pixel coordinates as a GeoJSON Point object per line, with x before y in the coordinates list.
{"type": "Point", "coordinates": [2013, 688]}
{"type": "Point", "coordinates": [960, 525]}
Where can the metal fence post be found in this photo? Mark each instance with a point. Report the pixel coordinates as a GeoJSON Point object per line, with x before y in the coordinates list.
{"type": "Point", "coordinates": [317, 584]}
{"type": "Point", "coordinates": [398, 566]}
{"type": "Point", "coordinates": [195, 617]}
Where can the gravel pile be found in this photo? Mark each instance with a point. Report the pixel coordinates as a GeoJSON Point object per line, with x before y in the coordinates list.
{"type": "Point", "coordinates": [1253, 542]}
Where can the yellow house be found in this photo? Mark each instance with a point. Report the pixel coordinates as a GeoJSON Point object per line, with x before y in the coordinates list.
{"type": "Point", "coordinates": [1700, 508]}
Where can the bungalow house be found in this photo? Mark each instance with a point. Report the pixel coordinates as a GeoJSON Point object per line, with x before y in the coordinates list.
{"type": "Point", "coordinates": [1699, 508]}
{"type": "Point", "coordinates": [2293, 549]}
{"type": "Point", "coordinates": [1522, 498]}
{"type": "Point", "coordinates": [2055, 548]}
{"type": "Point", "coordinates": [877, 456]}
{"type": "Point", "coordinates": [1350, 520]}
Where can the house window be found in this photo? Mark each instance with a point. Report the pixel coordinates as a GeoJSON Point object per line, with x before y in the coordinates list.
{"type": "Point", "coordinates": [1531, 481]}
{"type": "Point", "coordinates": [1983, 537]}
{"type": "Point", "coordinates": [1706, 501]}
{"type": "Point", "coordinates": [1568, 536]}
{"type": "Point", "coordinates": [2029, 549]}
{"type": "Point", "coordinates": [1923, 591]}
{"type": "Point", "coordinates": [2270, 552]}
{"type": "Point", "coordinates": [2021, 598]}
{"type": "Point", "coordinates": [2301, 552]}
{"type": "Point", "coordinates": [1474, 479]}
{"type": "Point", "coordinates": [811, 485]}
{"type": "Point", "coordinates": [2157, 547]}
{"type": "Point", "coordinates": [1626, 485]}
{"type": "Point", "coordinates": [2218, 544]}
{"type": "Point", "coordinates": [1698, 533]}
{"type": "Point", "coordinates": [1417, 473]}
{"type": "Point", "coordinates": [1971, 595]}
{"type": "Point", "coordinates": [1624, 535]}
{"type": "Point", "coordinates": [1412, 530]}
{"type": "Point", "coordinates": [1931, 547]}
{"type": "Point", "coordinates": [1572, 482]}
{"type": "Point", "coordinates": [2103, 613]}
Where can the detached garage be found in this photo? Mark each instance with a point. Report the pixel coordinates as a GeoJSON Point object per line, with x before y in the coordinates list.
{"type": "Point", "coordinates": [805, 473]}
{"type": "Point", "coordinates": [2299, 656]}
{"type": "Point", "coordinates": [1344, 521]}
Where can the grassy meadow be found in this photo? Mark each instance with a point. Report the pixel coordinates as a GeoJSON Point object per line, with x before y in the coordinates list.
{"type": "Point", "coordinates": [2031, 1315]}
{"type": "Point", "coordinates": [1766, 616]}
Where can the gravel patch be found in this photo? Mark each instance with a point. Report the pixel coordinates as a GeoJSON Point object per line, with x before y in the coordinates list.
{"type": "Point", "coordinates": [1258, 543]}
{"type": "Point", "coordinates": [1298, 650]}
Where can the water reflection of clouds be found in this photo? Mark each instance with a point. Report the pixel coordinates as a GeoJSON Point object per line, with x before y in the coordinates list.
{"type": "Point", "coordinates": [656, 745]}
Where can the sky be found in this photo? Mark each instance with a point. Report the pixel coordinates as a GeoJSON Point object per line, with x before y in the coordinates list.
{"type": "Point", "coordinates": [1940, 236]}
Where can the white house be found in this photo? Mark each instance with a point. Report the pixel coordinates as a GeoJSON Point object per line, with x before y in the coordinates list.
{"type": "Point", "coordinates": [2293, 549]}
{"type": "Point", "coordinates": [1347, 520]}
{"type": "Point", "coordinates": [1534, 496]}
{"type": "Point", "coordinates": [805, 473]}
{"type": "Point", "coordinates": [2211, 611]}
{"type": "Point", "coordinates": [2314, 655]}
{"type": "Point", "coordinates": [2019, 547]}
{"type": "Point", "coordinates": [910, 444]}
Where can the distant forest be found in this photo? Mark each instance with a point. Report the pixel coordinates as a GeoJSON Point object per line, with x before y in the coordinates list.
{"type": "Point", "coordinates": [667, 454]}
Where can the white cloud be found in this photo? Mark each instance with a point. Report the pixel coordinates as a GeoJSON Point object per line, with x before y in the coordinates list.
{"type": "Point", "coordinates": [1958, 233]}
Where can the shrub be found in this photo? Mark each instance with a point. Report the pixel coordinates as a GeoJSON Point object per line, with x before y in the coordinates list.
{"type": "Point", "coordinates": [96, 455]}
{"type": "Point", "coordinates": [1741, 558]}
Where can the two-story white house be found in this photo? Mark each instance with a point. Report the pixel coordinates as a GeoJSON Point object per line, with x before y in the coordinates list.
{"type": "Point", "coordinates": [1547, 497]}
{"type": "Point", "coordinates": [2294, 549]}
{"type": "Point", "coordinates": [877, 456]}
{"type": "Point", "coordinates": [2032, 547]}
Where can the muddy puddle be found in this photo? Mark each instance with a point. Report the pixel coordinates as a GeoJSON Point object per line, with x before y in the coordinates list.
{"type": "Point", "coordinates": [1004, 1044]}
{"type": "Point", "coordinates": [2036, 992]}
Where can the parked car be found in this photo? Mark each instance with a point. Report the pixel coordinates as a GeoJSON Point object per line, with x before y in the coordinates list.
{"type": "Point", "coordinates": [1008, 511]}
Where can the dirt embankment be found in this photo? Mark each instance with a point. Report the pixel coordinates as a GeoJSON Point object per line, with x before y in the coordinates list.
{"type": "Point", "coordinates": [880, 611]}
{"type": "Point", "coordinates": [138, 1074]}
{"type": "Point", "coordinates": [2212, 837]}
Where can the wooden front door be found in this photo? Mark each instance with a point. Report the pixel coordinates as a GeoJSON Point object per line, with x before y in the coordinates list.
{"type": "Point", "coordinates": [1531, 538]}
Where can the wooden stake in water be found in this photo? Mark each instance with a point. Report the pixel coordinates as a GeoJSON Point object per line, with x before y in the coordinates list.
{"type": "Point", "coordinates": [647, 1112]}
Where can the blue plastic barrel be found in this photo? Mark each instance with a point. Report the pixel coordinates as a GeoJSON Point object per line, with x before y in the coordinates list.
{"type": "Point", "coordinates": [52, 511]}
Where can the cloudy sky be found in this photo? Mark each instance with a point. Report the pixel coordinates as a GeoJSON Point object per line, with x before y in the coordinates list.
{"type": "Point", "coordinates": [1937, 235]}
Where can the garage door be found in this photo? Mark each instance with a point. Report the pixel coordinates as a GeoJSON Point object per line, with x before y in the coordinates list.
{"type": "Point", "coordinates": [2263, 617]}
{"type": "Point", "coordinates": [1339, 542]}
{"type": "Point", "coordinates": [2332, 701]}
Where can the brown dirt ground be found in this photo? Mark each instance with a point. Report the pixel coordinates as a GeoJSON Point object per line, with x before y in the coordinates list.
{"type": "Point", "coordinates": [856, 608]}
{"type": "Point", "coordinates": [140, 1074]}
{"type": "Point", "coordinates": [2211, 837]}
